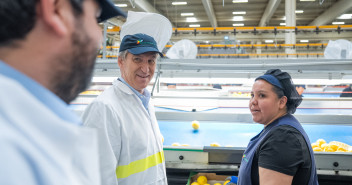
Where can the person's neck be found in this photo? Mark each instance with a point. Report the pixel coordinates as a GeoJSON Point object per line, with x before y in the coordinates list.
{"type": "Point", "coordinates": [283, 113]}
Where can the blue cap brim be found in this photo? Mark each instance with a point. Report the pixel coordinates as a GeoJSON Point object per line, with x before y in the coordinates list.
{"type": "Point", "coordinates": [140, 50]}
{"type": "Point", "coordinates": [109, 10]}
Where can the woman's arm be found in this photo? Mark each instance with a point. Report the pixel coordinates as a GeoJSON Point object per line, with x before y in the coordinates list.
{"type": "Point", "coordinates": [271, 177]}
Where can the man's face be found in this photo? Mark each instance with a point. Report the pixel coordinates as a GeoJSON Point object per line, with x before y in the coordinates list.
{"type": "Point", "coordinates": [75, 69]}
{"type": "Point", "coordinates": [138, 70]}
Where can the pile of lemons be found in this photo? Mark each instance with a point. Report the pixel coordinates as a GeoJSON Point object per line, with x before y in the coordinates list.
{"type": "Point", "coordinates": [334, 146]}
{"type": "Point", "coordinates": [202, 180]}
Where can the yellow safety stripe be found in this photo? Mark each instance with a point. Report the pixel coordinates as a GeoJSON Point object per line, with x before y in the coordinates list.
{"type": "Point", "coordinates": [124, 171]}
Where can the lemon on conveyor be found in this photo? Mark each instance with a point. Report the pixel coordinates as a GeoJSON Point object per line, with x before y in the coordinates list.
{"type": "Point", "coordinates": [217, 184]}
{"type": "Point", "coordinates": [215, 145]}
{"type": "Point", "coordinates": [320, 142]}
{"type": "Point", "coordinates": [202, 180]}
{"type": "Point", "coordinates": [226, 182]}
{"type": "Point", "coordinates": [329, 149]}
{"type": "Point", "coordinates": [314, 145]}
{"type": "Point", "coordinates": [340, 149]}
{"type": "Point", "coordinates": [195, 183]}
{"type": "Point", "coordinates": [340, 145]}
{"type": "Point", "coordinates": [175, 144]}
{"type": "Point", "coordinates": [195, 125]}
{"type": "Point", "coordinates": [317, 149]}
{"type": "Point", "coordinates": [324, 145]}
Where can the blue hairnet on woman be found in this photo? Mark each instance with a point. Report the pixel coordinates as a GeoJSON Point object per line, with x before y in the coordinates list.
{"type": "Point", "coordinates": [281, 153]}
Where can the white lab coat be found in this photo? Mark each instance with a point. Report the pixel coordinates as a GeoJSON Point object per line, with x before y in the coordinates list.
{"type": "Point", "coordinates": [39, 148]}
{"type": "Point", "coordinates": [127, 133]}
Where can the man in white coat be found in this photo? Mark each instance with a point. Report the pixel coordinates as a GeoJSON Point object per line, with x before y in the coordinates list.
{"type": "Point", "coordinates": [47, 54]}
{"type": "Point", "coordinates": [130, 142]}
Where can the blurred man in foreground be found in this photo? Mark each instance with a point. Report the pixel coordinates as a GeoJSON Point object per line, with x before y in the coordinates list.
{"type": "Point", "coordinates": [47, 54]}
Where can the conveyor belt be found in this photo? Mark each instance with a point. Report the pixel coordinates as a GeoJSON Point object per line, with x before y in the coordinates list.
{"type": "Point", "coordinates": [239, 134]}
{"type": "Point", "coordinates": [325, 111]}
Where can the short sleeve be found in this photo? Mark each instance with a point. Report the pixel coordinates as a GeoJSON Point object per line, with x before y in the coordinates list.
{"type": "Point", "coordinates": [281, 150]}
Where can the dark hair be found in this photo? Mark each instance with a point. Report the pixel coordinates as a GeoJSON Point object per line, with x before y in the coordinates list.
{"type": "Point", "coordinates": [18, 18]}
{"type": "Point", "coordinates": [288, 89]}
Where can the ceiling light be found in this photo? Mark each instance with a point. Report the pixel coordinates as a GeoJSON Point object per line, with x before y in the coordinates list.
{"type": "Point", "coordinates": [191, 19]}
{"type": "Point", "coordinates": [338, 22]}
{"type": "Point", "coordinates": [237, 18]}
{"type": "Point", "coordinates": [240, 24]}
{"type": "Point", "coordinates": [194, 25]}
{"type": "Point", "coordinates": [121, 5]}
{"type": "Point", "coordinates": [187, 14]}
{"type": "Point", "coordinates": [345, 16]}
{"type": "Point", "coordinates": [299, 11]}
{"type": "Point", "coordinates": [239, 1]}
{"type": "Point", "coordinates": [179, 3]}
{"type": "Point", "coordinates": [282, 24]}
{"type": "Point", "coordinates": [269, 41]}
{"type": "Point", "coordinates": [110, 27]}
{"type": "Point", "coordinates": [239, 13]}
{"type": "Point", "coordinates": [304, 40]}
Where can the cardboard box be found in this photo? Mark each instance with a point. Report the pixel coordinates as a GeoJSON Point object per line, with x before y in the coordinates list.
{"type": "Point", "coordinates": [212, 178]}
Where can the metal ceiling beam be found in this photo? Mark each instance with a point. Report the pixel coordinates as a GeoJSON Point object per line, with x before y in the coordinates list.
{"type": "Point", "coordinates": [332, 13]}
{"type": "Point", "coordinates": [208, 6]}
{"type": "Point", "coordinates": [269, 11]}
{"type": "Point", "coordinates": [145, 6]}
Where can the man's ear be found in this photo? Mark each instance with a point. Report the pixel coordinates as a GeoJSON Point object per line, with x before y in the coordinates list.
{"type": "Point", "coordinates": [52, 13]}
{"type": "Point", "coordinates": [119, 61]}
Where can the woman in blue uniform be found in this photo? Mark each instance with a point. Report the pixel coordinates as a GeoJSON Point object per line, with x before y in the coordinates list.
{"type": "Point", "coordinates": [281, 153]}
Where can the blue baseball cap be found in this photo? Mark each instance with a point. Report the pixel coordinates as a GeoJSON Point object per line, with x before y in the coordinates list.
{"type": "Point", "coordinates": [139, 43]}
{"type": "Point", "coordinates": [109, 10]}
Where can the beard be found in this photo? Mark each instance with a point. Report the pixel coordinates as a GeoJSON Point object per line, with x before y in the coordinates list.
{"type": "Point", "coordinates": [74, 71]}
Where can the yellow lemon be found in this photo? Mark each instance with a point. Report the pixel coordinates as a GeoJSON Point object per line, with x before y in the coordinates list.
{"type": "Point", "coordinates": [226, 182]}
{"type": "Point", "coordinates": [202, 180]}
{"type": "Point", "coordinates": [175, 144]}
{"type": "Point", "coordinates": [195, 125]}
{"type": "Point", "coordinates": [324, 145]}
{"type": "Point", "coordinates": [206, 184]}
{"type": "Point", "coordinates": [333, 147]}
{"type": "Point", "coordinates": [340, 144]}
{"type": "Point", "coordinates": [341, 149]}
{"type": "Point", "coordinates": [317, 149]}
{"type": "Point", "coordinates": [329, 149]}
{"type": "Point", "coordinates": [217, 184]}
{"type": "Point", "coordinates": [314, 145]}
{"type": "Point", "coordinates": [214, 145]}
{"type": "Point", "coordinates": [320, 142]}
{"type": "Point", "coordinates": [195, 183]}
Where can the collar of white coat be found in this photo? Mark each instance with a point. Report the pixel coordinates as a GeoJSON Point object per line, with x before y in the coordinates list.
{"type": "Point", "coordinates": [128, 89]}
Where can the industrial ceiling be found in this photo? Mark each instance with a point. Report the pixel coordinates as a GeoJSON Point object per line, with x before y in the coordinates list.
{"type": "Point", "coordinates": [253, 13]}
